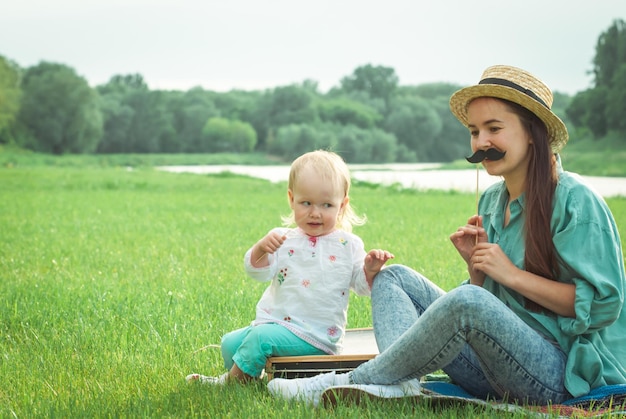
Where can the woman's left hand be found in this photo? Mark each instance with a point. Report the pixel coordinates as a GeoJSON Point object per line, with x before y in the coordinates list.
{"type": "Point", "coordinates": [558, 297]}
{"type": "Point", "coordinates": [492, 261]}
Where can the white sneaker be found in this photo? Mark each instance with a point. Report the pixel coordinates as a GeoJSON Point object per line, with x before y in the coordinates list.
{"type": "Point", "coordinates": [354, 393]}
{"type": "Point", "coordinates": [203, 379]}
{"type": "Point", "coordinates": [308, 390]}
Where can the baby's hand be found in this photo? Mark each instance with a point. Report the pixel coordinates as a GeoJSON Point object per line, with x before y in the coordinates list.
{"type": "Point", "coordinates": [375, 259]}
{"type": "Point", "coordinates": [271, 242]}
{"type": "Point", "coordinates": [266, 246]}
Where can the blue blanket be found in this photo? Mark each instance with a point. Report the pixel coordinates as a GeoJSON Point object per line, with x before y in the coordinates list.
{"type": "Point", "coordinates": [603, 401]}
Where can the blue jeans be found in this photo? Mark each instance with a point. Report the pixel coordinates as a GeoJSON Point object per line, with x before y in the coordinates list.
{"type": "Point", "coordinates": [468, 333]}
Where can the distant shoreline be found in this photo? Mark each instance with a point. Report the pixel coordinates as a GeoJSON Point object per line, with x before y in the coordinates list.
{"type": "Point", "coordinates": [416, 176]}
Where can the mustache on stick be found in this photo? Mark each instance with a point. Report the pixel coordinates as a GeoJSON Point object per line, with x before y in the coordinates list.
{"type": "Point", "coordinates": [480, 155]}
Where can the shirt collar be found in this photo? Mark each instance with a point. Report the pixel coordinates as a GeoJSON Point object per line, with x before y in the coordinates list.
{"type": "Point", "coordinates": [497, 205]}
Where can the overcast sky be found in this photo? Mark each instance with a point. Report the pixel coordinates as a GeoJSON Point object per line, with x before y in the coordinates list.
{"type": "Point", "coordinates": [258, 44]}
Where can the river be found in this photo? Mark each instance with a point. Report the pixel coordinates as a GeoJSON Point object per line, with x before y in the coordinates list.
{"type": "Point", "coordinates": [419, 176]}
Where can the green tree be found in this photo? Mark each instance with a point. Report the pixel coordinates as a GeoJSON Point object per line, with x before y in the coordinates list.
{"type": "Point", "coordinates": [151, 125]}
{"type": "Point", "coordinates": [559, 106]}
{"type": "Point", "coordinates": [123, 84]}
{"type": "Point", "coordinates": [601, 108]}
{"type": "Point", "coordinates": [137, 120]}
{"type": "Point", "coordinates": [285, 105]}
{"type": "Point", "coordinates": [242, 106]}
{"type": "Point", "coordinates": [357, 145]}
{"type": "Point", "coordinates": [415, 124]}
{"type": "Point", "coordinates": [362, 97]}
{"type": "Point", "coordinates": [237, 104]}
{"type": "Point", "coordinates": [404, 155]}
{"type": "Point", "coordinates": [222, 135]}
{"type": "Point", "coordinates": [190, 111]}
{"type": "Point", "coordinates": [354, 144]}
{"type": "Point", "coordinates": [616, 100]}
{"type": "Point", "coordinates": [291, 105]}
{"type": "Point", "coordinates": [348, 112]}
{"type": "Point", "coordinates": [290, 141]}
{"type": "Point", "coordinates": [117, 114]}
{"type": "Point", "coordinates": [10, 96]}
{"type": "Point", "coordinates": [588, 109]}
{"type": "Point", "coordinates": [449, 143]}
{"type": "Point", "coordinates": [377, 81]}
{"type": "Point", "coordinates": [60, 110]}
{"type": "Point", "coordinates": [610, 54]}
{"type": "Point", "coordinates": [577, 109]}
{"type": "Point", "coordinates": [118, 118]}
{"type": "Point", "coordinates": [453, 140]}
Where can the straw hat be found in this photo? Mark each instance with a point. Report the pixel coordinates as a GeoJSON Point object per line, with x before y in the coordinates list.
{"type": "Point", "coordinates": [518, 86]}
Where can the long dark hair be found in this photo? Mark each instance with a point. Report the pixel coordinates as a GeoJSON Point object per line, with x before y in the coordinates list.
{"type": "Point", "coordinates": [540, 255]}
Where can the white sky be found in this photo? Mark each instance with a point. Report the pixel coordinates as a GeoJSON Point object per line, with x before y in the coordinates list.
{"type": "Point", "coordinates": [258, 44]}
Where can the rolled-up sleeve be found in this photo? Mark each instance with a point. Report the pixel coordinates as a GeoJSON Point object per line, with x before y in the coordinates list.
{"type": "Point", "coordinates": [587, 240]}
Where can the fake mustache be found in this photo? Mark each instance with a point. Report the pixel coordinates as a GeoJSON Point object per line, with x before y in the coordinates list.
{"type": "Point", "coordinates": [480, 155]}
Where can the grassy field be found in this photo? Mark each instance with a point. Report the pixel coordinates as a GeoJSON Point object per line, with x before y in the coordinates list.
{"type": "Point", "coordinates": [113, 280]}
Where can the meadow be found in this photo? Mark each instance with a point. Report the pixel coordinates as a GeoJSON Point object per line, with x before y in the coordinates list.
{"type": "Point", "coordinates": [115, 280]}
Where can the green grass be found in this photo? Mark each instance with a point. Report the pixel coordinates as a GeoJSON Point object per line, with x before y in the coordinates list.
{"type": "Point", "coordinates": [11, 156]}
{"type": "Point", "coordinates": [112, 280]}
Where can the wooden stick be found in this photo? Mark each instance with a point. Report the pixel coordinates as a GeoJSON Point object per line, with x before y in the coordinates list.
{"type": "Point", "coordinates": [477, 172]}
{"type": "Point", "coordinates": [259, 259]}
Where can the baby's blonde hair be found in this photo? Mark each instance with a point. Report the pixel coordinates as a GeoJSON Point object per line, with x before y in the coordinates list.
{"type": "Point", "coordinates": [333, 169]}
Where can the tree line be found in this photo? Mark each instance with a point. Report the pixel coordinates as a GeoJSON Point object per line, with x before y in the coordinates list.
{"type": "Point", "coordinates": [368, 118]}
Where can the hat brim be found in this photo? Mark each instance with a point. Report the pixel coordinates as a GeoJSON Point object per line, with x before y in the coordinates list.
{"type": "Point", "coordinates": [557, 131]}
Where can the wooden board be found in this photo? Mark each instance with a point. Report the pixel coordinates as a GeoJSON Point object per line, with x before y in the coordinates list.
{"type": "Point", "coordinates": [359, 346]}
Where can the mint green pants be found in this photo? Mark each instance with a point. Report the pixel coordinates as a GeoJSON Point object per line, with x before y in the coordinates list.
{"type": "Point", "coordinates": [249, 347]}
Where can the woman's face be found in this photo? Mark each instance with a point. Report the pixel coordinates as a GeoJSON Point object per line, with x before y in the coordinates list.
{"type": "Point", "coordinates": [493, 125]}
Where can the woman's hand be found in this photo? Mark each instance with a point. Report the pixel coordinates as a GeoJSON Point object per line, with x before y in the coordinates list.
{"type": "Point", "coordinates": [465, 239]}
{"type": "Point", "coordinates": [489, 259]}
{"type": "Point", "coordinates": [484, 258]}
{"type": "Point", "coordinates": [558, 297]}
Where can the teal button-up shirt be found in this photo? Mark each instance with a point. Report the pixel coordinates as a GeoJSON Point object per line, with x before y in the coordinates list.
{"type": "Point", "coordinates": [590, 256]}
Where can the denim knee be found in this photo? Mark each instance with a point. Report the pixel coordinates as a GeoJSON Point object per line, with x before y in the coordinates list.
{"type": "Point", "coordinates": [395, 275]}
{"type": "Point", "coordinates": [468, 296]}
{"type": "Point", "coordinates": [414, 285]}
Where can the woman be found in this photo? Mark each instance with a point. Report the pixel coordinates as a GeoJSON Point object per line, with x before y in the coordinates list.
{"type": "Point", "coordinates": [540, 319]}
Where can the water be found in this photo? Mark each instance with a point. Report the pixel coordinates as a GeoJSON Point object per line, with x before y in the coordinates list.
{"type": "Point", "coordinates": [419, 176]}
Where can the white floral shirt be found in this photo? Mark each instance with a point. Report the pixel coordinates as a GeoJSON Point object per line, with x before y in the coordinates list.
{"type": "Point", "coordinates": [311, 282]}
